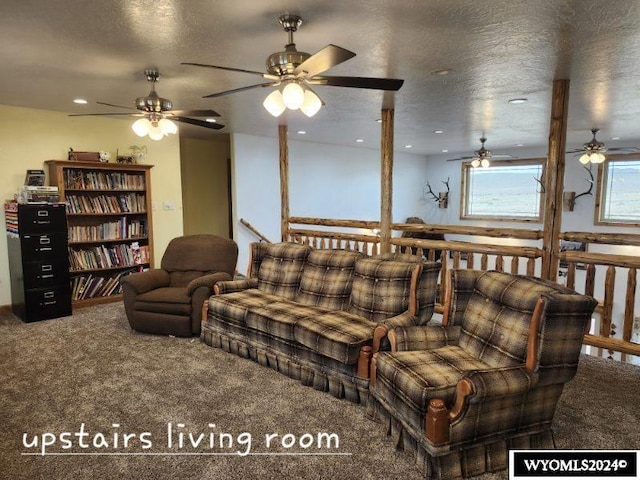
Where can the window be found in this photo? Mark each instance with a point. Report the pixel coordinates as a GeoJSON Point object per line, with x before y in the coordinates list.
{"type": "Point", "coordinates": [618, 187]}
{"type": "Point", "coordinates": [507, 190]}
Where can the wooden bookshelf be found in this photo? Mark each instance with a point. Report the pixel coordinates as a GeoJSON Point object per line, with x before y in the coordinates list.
{"type": "Point", "coordinates": [110, 227]}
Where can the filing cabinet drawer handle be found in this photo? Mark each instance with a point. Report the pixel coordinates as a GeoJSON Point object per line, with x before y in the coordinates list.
{"type": "Point", "coordinates": [47, 276]}
{"type": "Point", "coordinates": [49, 294]}
{"type": "Point", "coordinates": [43, 213]}
{"type": "Point", "coordinates": [50, 303]}
{"type": "Point", "coordinates": [45, 240]}
{"type": "Point", "coordinates": [47, 268]}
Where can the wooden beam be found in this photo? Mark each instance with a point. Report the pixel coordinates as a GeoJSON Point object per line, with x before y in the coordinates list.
{"type": "Point", "coordinates": [386, 190]}
{"type": "Point", "coordinates": [554, 179]}
{"type": "Point", "coordinates": [284, 181]}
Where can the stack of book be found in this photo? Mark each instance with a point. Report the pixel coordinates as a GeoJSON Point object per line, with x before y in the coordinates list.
{"type": "Point", "coordinates": [94, 180]}
{"type": "Point", "coordinates": [104, 257]}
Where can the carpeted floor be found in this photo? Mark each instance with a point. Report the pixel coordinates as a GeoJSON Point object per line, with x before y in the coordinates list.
{"type": "Point", "coordinates": [92, 369]}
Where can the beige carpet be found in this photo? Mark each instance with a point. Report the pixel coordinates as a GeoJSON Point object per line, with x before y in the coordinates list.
{"type": "Point", "coordinates": [92, 369]}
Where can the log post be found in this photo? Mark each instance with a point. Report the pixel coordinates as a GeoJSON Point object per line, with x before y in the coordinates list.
{"type": "Point", "coordinates": [284, 181]}
{"type": "Point", "coordinates": [554, 180]}
{"type": "Point", "coordinates": [386, 190]}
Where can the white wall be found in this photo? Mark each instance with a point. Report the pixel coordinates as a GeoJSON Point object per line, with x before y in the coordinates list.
{"type": "Point", "coordinates": [325, 181]}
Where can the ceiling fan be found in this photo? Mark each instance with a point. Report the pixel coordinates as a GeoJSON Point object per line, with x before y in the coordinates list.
{"type": "Point", "coordinates": [594, 150]}
{"type": "Point", "coordinates": [157, 113]}
{"type": "Point", "coordinates": [298, 71]}
{"type": "Point", "coordinates": [482, 156]}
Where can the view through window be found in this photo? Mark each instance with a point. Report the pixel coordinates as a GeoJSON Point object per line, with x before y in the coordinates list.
{"type": "Point", "coordinates": [620, 192]}
{"type": "Point", "coordinates": [504, 191]}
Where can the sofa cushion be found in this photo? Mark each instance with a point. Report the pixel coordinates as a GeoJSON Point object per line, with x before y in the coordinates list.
{"type": "Point", "coordinates": [233, 307]}
{"type": "Point", "coordinates": [381, 288]}
{"type": "Point", "coordinates": [279, 318]}
{"type": "Point", "coordinates": [168, 300]}
{"type": "Point", "coordinates": [281, 269]}
{"type": "Point", "coordinates": [338, 335]}
{"type": "Point", "coordinates": [327, 278]}
{"type": "Point", "coordinates": [421, 375]}
{"type": "Point", "coordinates": [495, 324]}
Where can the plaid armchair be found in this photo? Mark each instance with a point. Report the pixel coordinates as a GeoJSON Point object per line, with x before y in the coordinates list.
{"type": "Point", "coordinates": [461, 394]}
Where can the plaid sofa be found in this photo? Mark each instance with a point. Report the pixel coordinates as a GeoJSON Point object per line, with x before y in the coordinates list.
{"type": "Point", "coordinates": [318, 315]}
{"type": "Point", "coordinates": [461, 394]}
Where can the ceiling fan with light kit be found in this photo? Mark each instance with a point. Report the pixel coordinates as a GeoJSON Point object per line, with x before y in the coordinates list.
{"type": "Point", "coordinates": [157, 115]}
{"type": "Point", "coordinates": [481, 157]}
{"type": "Point", "coordinates": [594, 151]}
{"type": "Point", "coordinates": [296, 72]}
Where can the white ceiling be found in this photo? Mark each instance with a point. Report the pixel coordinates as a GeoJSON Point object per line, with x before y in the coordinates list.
{"type": "Point", "coordinates": [54, 51]}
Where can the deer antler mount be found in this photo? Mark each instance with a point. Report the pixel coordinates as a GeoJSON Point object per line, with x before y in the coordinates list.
{"type": "Point", "coordinates": [442, 197]}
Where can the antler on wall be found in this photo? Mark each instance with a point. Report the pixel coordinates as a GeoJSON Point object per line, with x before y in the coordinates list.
{"type": "Point", "coordinates": [443, 197]}
{"type": "Point", "coordinates": [569, 198]}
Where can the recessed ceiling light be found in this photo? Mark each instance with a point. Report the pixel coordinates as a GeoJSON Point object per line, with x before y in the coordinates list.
{"type": "Point", "coordinates": [211, 120]}
{"type": "Point", "coordinates": [515, 101]}
{"type": "Point", "coordinates": [438, 131]}
{"type": "Point", "coordinates": [444, 150]}
{"type": "Point", "coordinates": [379, 120]}
{"type": "Point", "coordinates": [615, 138]}
{"type": "Point", "coordinates": [408, 146]}
{"type": "Point", "coordinates": [80, 101]}
{"type": "Point", "coordinates": [441, 71]}
{"type": "Point", "coordinates": [301, 132]}
{"type": "Point", "coordinates": [519, 144]}
{"type": "Point", "coordinates": [359, 140]}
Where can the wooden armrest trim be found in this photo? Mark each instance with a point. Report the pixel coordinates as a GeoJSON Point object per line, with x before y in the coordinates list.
{"type": "Point", "coordinates": [463, 390]}
{"type": "Point", "coordinates": [364, 359]}
{"type": "Point", "coordinates": [533, 343]}
{"type": "Point", "coordinates": [378, 334]}
{"type": "Point", "coordinates": [437, 422]}
{"type": "Point", "coordinates": [393, 340]}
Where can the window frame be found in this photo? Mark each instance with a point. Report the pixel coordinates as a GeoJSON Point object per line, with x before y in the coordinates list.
{"type": "Point", "coordinates": [466, 168]}
{"type": "Point", "coordinates": [601, 191]}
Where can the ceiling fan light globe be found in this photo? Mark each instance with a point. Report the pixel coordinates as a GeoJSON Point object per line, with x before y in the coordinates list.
{"type": "Point", "coordinates": [155, 133]}
{"type": "Point", "coordinates": [585, 158]}
{"type": "Point", "coordinates": [597, 157]}
{"type": "Point", "coordinates": [141, 127]}
{"type": "Point", "coordinates": [168, 127]}
{"type": "Point", "coordinates": [274, 104]}
{"type": "Point", "coordinates": [484, 163]}
{"type": "Point", "coordinates": [311, 104]}
{"type": "Point", "coordinates": [475, 163]}
{"type": "Point", "coordinates": [293, 96]}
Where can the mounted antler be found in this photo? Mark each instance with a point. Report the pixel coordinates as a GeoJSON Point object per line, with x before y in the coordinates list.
{"type": "Point", "coordinates": [542, 187]}
{"type": "Point", "coordinates": [571, 197]}
{"type": "Point", "coordinates": [430, 191]}
{"type": "Point", "coordinates": [443, 197]}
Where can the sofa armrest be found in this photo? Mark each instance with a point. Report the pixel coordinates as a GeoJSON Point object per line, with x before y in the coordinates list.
{"type": "Point", "coordinates": [231, 286]}
{"type": "Point", "coordinates": [143, 282]}
{"type": "Point", "coordinates": [423, 337]}
{"type": "Point", "coordinates": [207, 281]}
{"type": "Point", "coordinates": [384, 327]}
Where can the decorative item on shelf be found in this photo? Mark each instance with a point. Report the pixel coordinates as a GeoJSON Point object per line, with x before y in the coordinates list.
{"type": "Point", "coordinates": [138, 153]}
{"type": "Point", "coordinates": [124, 158]}
{"type": "Point", "coordinates": [83, 156]}
{"type": "Point", "coordinates": [104, 156]}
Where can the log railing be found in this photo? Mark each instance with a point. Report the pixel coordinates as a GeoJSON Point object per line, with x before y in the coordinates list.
{"type": "Point", "coordinates": [596, 274]}
{"type": "Point", "coordinates": [591, 273]}
{"type": "Point", "coordinates": [255, 231]}
{"type": "Point", "coordinates": [368, 243]}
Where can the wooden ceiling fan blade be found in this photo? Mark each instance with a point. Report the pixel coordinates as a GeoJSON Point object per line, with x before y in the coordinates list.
{"type": "Point", "coordinates": [194, 113]}
{"type": "Point", "coordinates": [199, 123]}
{"type": "Point", "coordinates": [241, 89]}
{"type": "Point", "coordinates": [323, 60]}
{"type": "Point", "coordinates": [624, 149]}
{"type": "Point", "coordinates": [230, 69]}
{"type": "Point", "coordinates": [458, 158]}
{"type": "Point", "coordinates": [116, 106]}
{"type": "Point", "coordinates": [392, 84]}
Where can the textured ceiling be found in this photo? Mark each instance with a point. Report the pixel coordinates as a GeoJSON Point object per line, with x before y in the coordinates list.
{"type": "Point", "coordinates": [52, 52]}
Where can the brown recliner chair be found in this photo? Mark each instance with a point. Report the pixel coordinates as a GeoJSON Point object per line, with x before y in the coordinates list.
{"type": "Point", "coordinates": [168, 300]}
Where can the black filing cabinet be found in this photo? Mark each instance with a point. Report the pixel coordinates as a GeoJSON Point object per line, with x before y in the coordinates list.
{"type": "Point", "coordinates": [39, 263]}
